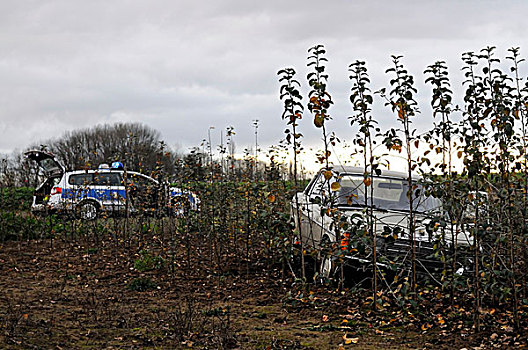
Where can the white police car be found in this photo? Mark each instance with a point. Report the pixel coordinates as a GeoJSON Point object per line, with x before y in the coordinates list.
{"type": "Point", "coordinates": [110, 190]}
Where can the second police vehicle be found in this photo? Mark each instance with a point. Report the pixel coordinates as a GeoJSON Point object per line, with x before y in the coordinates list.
{"type": "Point", "coordinates": [108, 189]}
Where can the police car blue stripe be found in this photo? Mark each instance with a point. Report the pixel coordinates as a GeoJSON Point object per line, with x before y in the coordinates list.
{"type": "Point", "coordinates": [98, 194]}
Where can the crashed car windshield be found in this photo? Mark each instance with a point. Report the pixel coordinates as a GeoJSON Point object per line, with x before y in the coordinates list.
{"type": "Point", "coordinates": [388, 194]}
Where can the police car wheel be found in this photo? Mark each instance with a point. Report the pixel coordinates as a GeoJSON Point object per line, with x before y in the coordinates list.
{"type": "Point", "coordinates": [88, 211]}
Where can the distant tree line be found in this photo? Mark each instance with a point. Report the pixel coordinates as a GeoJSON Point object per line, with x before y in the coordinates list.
{"type": "Point", "coordinates": [138, 146]}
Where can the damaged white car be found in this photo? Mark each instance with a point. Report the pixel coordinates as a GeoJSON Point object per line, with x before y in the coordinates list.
{"type": "Point", "coordinates": [333, 212]}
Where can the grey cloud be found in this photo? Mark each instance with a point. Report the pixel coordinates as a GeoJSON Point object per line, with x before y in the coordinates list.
{"type": "Point", "coordinates": [181, 67]}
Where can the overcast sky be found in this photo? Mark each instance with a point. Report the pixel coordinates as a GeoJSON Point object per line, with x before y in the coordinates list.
{"type": "Point", "coordinates": [181, 66]}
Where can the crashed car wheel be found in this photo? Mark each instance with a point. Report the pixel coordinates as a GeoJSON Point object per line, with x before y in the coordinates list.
{"type": "Point", "coordinates": [326, 269]}
{"type": "Point", "coordinates": [327, 265]}
{"type": "Point", "coordinates": [88, 211]}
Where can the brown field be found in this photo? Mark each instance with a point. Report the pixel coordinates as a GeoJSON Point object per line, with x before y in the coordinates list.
{"type": "Point", "coordinates": [65, 295]}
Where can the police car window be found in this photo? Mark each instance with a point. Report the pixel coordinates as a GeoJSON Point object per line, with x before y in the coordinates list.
{"type": "Point", "coordinates": [107, 179]}
{"type": "Point", "coordinates": [116, 180]}
{"type": "Point", "coordinates": [80, 179]}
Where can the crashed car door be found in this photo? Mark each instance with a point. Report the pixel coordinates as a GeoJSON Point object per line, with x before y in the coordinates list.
{"type": "Point", "coordinates": [313, 224]}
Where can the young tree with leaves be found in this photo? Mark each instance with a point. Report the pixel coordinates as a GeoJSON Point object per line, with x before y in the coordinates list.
{"type": "Point", "coordinates": [362, 100]}
{"type": "Point", "coordinates": [440, 138]}
{"type": "Point", "coordinates": [319, 103]}
{"type": "Point", "coordinates": [476, 162]}
{"type": "Point", "coordinates": [520, 109]}
{"type": "Point", "coordinates": [293, 109]}
{"type": "Point", "coordinates": [401, 100]}
{"type": "Point", "coordinates": [319, 99]}
{"type": "Point", "coordinates": [500, 106]}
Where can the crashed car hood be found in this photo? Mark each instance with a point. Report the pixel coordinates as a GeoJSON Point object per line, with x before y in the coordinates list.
{"type": "Point", "coordinates": [392, 219]}
{"type": "Point", "coordinates": [388, 218]}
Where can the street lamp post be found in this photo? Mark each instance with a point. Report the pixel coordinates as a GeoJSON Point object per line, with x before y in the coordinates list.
{"type": "Point", "coordinates": [210, 151]}
{"type": "Point", "coordinates": [256, 125]}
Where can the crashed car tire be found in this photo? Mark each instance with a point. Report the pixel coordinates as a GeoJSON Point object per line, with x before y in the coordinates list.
{"type": "Point", "coordinates": [326, 263]}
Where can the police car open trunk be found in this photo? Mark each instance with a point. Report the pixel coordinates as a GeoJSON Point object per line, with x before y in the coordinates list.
{"type": "Point", "coordinates": [52, 170]}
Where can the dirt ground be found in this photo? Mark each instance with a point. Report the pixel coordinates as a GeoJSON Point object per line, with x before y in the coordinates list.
{"type": "Point", "coordinates": [72, 295]}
